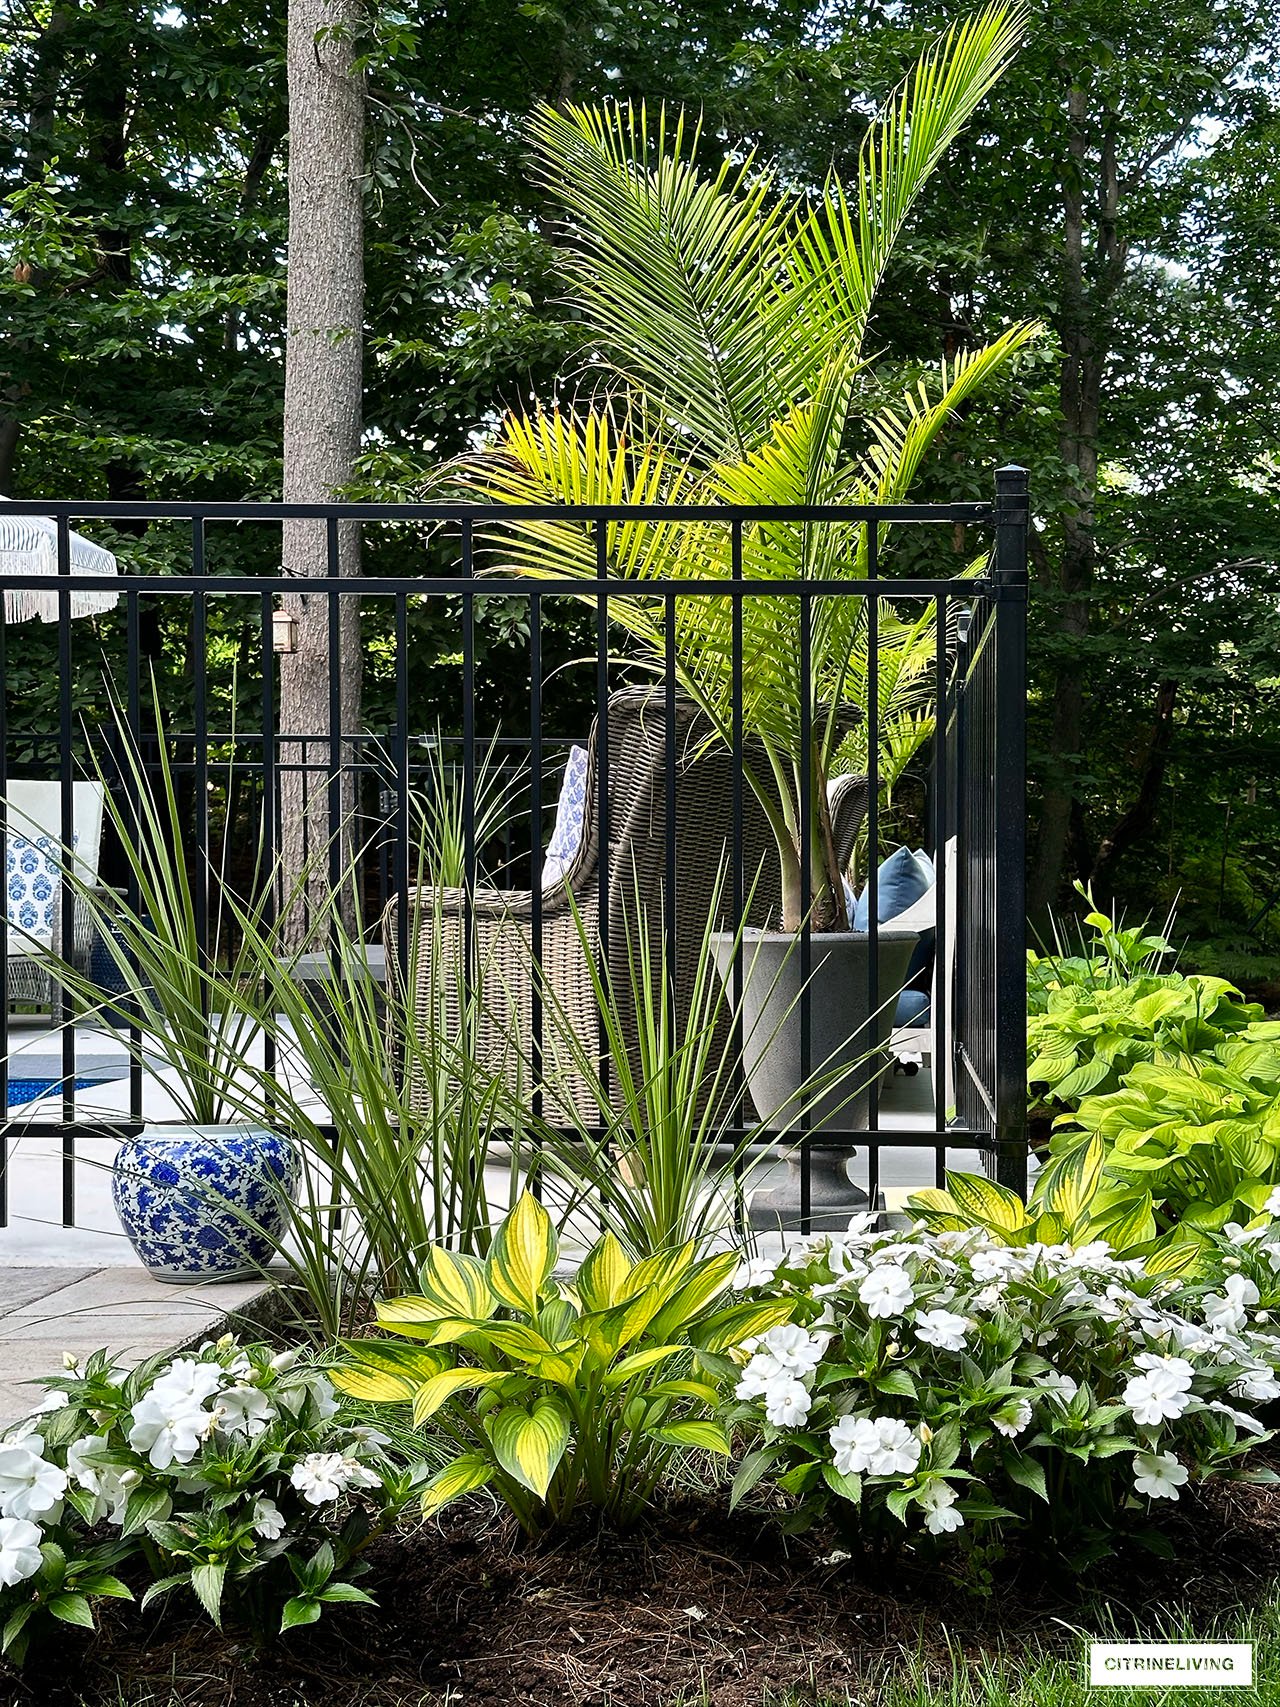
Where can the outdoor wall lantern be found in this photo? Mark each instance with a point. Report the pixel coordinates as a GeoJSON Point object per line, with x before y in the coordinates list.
{"type": "Point", "coordinates": [284, 631]}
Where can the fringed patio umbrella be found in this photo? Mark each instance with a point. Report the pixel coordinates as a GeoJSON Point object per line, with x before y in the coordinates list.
{"type": "Point", "coordinates": [29, 546]}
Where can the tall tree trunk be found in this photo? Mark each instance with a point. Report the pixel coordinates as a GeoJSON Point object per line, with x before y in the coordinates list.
{"type": "Point", "coordinates": [322, 420]}
{"type": "Point", "coordinates": [1091, 275]}
{"type": "Point", "coordinates": [1134, 823]}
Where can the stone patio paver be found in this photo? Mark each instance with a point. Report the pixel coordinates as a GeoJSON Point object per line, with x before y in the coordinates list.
{"type": "Point", "coordinates": [45, 1312]}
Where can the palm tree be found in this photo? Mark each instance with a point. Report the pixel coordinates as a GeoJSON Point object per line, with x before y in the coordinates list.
{"type": "Point", "coordinates": [731, 315]}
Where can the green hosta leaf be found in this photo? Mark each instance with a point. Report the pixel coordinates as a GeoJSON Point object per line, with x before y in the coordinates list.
{"type": "Point", "coordinates": [636, 1364]}
{"type": "Point", "coordinates": [440, 1388]}
{"type": "Point", "coordinates": [1069, 1183]}
{"type": "Point", "coordinates": [602, 1280]}
{"type": "Point", "coordinates": [522, 1256]}
{"type": "Point", "coordinates": [988, 1203]}
{"type": "Point", "coordinates": [421, 1319]}
{"type": "Point", "coordinates": [705, 1284]}
{"type": "Point", "coordinates": [1082, 1079]}
{"type": "Point", "coordinates": [464, 1475]}
{"type": "Point", "coordinates": [379, 1371]}
{"type": "Point", "coordinates": [728, 1328]}
{"type": "Point", "coordinates": [529, 1444]}
{"type": "Point", "coordinates": [456, 1282]}
{"type": "Point", "coordinates": [699, 1432]}
{"type": "Point", "coordinates": [683, 1389]}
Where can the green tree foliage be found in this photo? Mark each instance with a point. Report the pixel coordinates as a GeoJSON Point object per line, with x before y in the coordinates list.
{"type": "Point", "coordinates": [1121, 188]}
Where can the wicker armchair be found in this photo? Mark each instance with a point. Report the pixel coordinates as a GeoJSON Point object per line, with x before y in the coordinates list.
{"type": "Point", "coordinates": [502, 921]}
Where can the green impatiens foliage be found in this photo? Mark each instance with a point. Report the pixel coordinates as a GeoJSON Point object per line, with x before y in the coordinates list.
{"type": "Point", "coordinates": [560, 1395]}
{"type": "Point", "coordinates": [943, 1387]}
{"type": "Point", "coordinates": [227, 1474]}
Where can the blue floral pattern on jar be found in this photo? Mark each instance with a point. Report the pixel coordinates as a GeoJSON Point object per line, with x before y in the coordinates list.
{"type": "Point", "coordinates": [204, 1203]}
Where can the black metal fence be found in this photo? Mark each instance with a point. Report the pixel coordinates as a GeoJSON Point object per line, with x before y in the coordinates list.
{"type": "Point", "coordinates": [235, 776]}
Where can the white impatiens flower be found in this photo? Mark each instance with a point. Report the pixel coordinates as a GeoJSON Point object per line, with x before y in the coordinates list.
{"type": "Point", "coordinates": [1272, 1205]}
{"type": "Point", "coordinates": [322, 1477]}
{"type": "Point", "coordinates": [1011, 1419]}
{"type": "Point", "coordinates": [938, 1502]}
{"type": "Point", "coordinates": [1162, 1392]}
{"type": "Point", "coordinates": [792, 1349]}
{"type": "Point", "coordinates": [29, 1485]}
{"type": "Point", "coordinates": [326, 1398]}
{"type": "Point", "coordinates": [268, 1520]}
{"type": "Point", "coordinates": [875, 1446]}
{"type": "Point", "coordinates": [1228, 1310]}
{"type": "Point", "coordinates": [787, 1401]}
{"type": "Point", "coordinates": [1056, 1385]}
{"type": "Point", "coordinates": [55, 1401]}
{"type": "Point", "coordinates": [168, 1427]}
{"type": "Point", "coordinates": [1158, 1475]}
{"type": "Point", "coordinates": [1258, 1385]}
{"type": "Point", "coordinates": [188, 1378]}
{"type": "Point", "coordinates": [755, 1271]}
{"type": "Point", "coordinates": [1244, 1422]}
{"type": "Point", "coordinates": [886, 1292]}
{"type": "Point", "coordinates": [942, 1328]}
{"type": "Point", "coordinates": [244, 1410]}
{"type": "Point", "coordinates": [20, 1556]}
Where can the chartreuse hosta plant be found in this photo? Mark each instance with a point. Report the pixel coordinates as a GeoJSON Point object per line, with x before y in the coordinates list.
{"type": "Point", "coordinates": [945, 1385]}
{"type": "Point", "coordinates": [1072, 1201]}
{"type": "Point", "coordinates": [730, 315]}
{"type": "Point", "coordinates": [1196, 1135]}
{"type": "Point", "coordinates": [227, 1475]}
{"type": "Point", "coordinates": [560, 1395]}
{"type": "Point", "coordinates": [1094, 1016]}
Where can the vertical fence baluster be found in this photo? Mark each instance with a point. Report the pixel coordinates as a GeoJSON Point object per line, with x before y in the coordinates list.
{"type": "Point", "coordinates": [938, 995]}
{"type": "Point", "coordinates": [738, 877]}
{"type": "Point", "coordinates": [1008, 923]}
{"type": "Point", "coordinates": [66, 799]}
{"type": "Point", "coordinates": [806, 902]}
{"type": "Point", "coordinates": [602, 769]}
{"type": "Point", "coordinates": [535, 876]}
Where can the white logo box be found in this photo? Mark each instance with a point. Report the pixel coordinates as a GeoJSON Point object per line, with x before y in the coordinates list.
{"type": "Point", "coordinates": [1171, 1665]}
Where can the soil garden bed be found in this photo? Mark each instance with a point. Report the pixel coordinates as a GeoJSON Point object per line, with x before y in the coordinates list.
{"type": "Point", "coordinates": [700, 1603]}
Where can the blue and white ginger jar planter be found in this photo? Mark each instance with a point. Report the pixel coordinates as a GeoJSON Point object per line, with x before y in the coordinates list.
{"type": "Point", "coordinates": [203, 1203]}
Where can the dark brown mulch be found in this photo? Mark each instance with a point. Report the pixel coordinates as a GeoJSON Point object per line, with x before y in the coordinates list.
{"type": "Point", "coordinates": [700, 1601]}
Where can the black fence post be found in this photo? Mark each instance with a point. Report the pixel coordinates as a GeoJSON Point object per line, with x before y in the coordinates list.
{"type": "Point", "coordinates": [1010, 794]}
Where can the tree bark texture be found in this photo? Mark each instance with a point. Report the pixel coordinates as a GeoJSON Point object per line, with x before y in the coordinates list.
{"type": "Point", "coordinates": [322, 424]}
{"type": "Point", "coordinates": [1091, 275]}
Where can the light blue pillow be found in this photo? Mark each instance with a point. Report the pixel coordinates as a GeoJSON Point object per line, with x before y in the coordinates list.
{"type": "Point", "coordinates": [903, 879]}
{"type": "Point", "coordinates": [571, 813]}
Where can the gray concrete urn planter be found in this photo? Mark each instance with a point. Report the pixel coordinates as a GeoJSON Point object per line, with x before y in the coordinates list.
{"type": "Point", "coordinates": [843, 1034]}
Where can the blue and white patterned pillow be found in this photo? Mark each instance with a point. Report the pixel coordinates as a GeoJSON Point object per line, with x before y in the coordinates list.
{"type": "Point", "coordinates": [33, 871]}
{"type": "Point", "coordinates": [571, 814]}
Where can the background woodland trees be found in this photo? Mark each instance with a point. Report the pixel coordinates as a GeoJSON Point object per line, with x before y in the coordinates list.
{"type": "Point", "coordinates": [1122, 186]}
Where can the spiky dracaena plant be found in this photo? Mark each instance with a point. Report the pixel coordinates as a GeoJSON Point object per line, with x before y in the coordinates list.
{"type": "Point", "coordinates": [732, 313]}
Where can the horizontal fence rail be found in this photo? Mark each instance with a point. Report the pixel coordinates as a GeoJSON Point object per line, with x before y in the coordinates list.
{"type": "Point", "coordinates": [674, 822]}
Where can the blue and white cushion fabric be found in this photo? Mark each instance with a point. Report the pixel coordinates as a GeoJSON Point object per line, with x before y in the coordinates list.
{"type": "Point", "coordinates": [904, 879]}
{"type": "Point", "coordinates": [571, 817]}
{"type": "Point", "coordinates": [33, 873]}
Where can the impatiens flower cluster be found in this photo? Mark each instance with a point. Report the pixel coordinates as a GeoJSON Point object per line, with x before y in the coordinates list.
{"type": "Point", "coordinates": [943, 1382]}
{"type": "Point", "coordinates": [172, 1462]}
